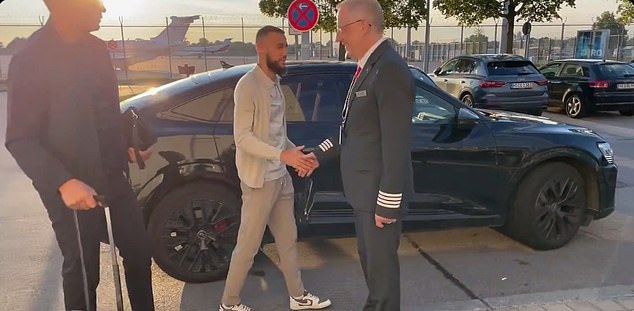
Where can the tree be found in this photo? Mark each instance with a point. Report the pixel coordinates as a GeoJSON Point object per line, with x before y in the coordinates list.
{"type": "Point", "coordinates": [607, 20]}
{"type": "Point", "coordinates": [473, 12]}
{"type": "Point", "coordinates": [479, 42]}
{"type": "Point", "coordinates": [626, 12]}
{"type": "Point", "coordinates": [618, 33]}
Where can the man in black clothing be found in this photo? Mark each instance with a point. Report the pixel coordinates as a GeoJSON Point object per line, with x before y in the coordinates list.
{"type": "Point", "coordinates": [65, 131]}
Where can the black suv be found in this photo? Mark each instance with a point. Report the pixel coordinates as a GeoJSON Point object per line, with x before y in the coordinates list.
{"type": "Point", "coordinates": [581, 86]}
{"type": "Point", "coordinates": [536, 179]}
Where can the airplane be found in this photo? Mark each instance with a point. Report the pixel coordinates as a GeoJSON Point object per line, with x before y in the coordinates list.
{"type": "Point", "coordinates": [200, 51]}
{"type": "Point", "coordinates": [171, 41]}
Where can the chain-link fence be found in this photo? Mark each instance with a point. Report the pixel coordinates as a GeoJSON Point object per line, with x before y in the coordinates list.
{"type": "Point", "coordinates": [177, 48]}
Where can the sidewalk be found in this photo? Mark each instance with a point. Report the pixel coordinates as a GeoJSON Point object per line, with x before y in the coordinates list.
{"type": "Point", "coordinates": [612, 298]}
{"type": "Point", "coordinates": [615, 304]}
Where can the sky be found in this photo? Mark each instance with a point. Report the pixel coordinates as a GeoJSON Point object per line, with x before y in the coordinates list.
{"type": "Point", "coordinates": [230, 12]}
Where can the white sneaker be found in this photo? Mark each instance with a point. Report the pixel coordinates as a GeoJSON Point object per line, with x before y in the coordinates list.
{"type": "Point", "coordinates": [238, 307]}
{"type": "Point", "coordinates": [308, 302]}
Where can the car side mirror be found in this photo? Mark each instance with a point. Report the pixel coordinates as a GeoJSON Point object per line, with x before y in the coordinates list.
{"type": "Point", "coordinates": [437, 71]}
{"type": "Point", "coordinates": [467, 119]}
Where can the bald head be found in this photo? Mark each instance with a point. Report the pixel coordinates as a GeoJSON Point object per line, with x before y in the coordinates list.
{"type": "Point", "coordinates": [75, 18]}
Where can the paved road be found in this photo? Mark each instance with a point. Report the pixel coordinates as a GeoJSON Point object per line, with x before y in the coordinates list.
{"type": "Point", "coordinates": [461, 269]}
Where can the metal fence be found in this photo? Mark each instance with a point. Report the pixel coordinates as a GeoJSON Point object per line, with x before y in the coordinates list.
{"type": "Point", "coordinates": [547, 42]}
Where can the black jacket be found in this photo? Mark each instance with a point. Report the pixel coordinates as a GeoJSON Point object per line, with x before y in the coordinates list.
{"type": "Point", "coordinates": [63, 118]}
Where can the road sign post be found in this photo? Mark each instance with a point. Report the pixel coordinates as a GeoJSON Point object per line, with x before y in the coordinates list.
{"type": "Point", "coordinates": [303, 16]}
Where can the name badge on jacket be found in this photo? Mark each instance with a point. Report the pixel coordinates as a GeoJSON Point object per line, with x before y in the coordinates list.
{"type": "Point", "coordinates": [361, 94]}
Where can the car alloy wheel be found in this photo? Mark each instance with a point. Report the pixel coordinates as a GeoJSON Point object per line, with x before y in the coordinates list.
{"type": "Point", "coordinates": [467, 99]}
{"type": "Point", "coordinates": [575, 107]}
{"type": "Point", "coordinates": [194, 230]}
{"type": "Point", "coordinates": [556, 212]}
{"type": "Point", "coordinates": [549, 207]}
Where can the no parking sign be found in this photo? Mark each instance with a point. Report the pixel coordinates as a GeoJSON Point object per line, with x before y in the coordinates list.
{"type": "Point", "coordinates": [303, 15]}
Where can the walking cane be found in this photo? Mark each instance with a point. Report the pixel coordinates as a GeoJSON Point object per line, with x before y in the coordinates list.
{"type": "Point", "coordinates": [115, 264]}
{"type": "Point", "coordinates": [83, 262]}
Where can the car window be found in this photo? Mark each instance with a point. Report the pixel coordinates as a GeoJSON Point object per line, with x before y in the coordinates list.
{"type": "Point", "coordinates": [449, 67]}
{"type": "Point", "coordinates": [585, 71]}
{"type": "Point", "coordinates": [431, 109]}
{"type": "Point", "coordinates": [511, 68]}
{"type": "Point", "coordinates": [616, 71]}
{"type": "Point", "coordinates": [551, 70]}
{"type": "Point", "coordinates": [465, 66]}
{"type": "Point", "coordinates": [572, 70]}
{"type": "Point", "coordinates": [316, 97]}
{"type": "Point", "coordinates": [212, 107]}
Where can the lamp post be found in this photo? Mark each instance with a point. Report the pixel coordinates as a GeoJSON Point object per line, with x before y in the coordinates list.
{"type": "Point", "coordinates": [427, 30]}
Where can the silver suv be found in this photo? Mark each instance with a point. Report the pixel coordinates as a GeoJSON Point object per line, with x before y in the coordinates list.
{"type": "Point", "coordinates": [494, 81]}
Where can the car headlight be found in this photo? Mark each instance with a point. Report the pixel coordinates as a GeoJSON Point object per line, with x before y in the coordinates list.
{"type": "Point", "coordinates": [607, 152]}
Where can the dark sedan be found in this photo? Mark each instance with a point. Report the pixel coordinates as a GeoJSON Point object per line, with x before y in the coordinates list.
{"type": "Point", "coordinates": [536, 179]}
{"type": "Point", "coordinates": [581, 86]}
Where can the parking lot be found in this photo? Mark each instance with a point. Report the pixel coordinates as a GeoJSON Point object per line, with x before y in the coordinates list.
{"type": "Point", "coordinates": [459, 269]}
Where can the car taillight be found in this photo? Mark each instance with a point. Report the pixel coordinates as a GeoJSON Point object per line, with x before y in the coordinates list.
{"type": "Point", "coordinates": [599, 84]}
{"type": "Point", "coordinates": [486, 84]}
{"type": "Point", "coordinates": [541, 83]}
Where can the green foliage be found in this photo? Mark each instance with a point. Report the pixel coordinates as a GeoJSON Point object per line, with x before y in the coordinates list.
{"type": "Point", "coordinates": [625, 12]}
{"type": "Point", "coordinates": [474, 12]}
{"type": "Point", "coordinates": [607, 20]}
{"type": "Point", "coordinates": [477, 42]}
{"type": "Point", "coordinates": [397, 13]}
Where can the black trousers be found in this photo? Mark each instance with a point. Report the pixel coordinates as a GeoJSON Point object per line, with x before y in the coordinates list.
{"type": "Point", "coordinates": [130, 238]}
{"type": "Point", "coordinates": [379, 261]}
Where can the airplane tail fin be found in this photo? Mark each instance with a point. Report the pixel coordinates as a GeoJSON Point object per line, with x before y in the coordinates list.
{"type": "Point", "coordinates": [225, 65]}
{"type": "Point", "coordinates": [177, 29]}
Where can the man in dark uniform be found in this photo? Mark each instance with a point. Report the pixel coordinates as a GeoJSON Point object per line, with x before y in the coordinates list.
{"type": "Point", "coordinates": [374, 147]}
{"type": "Point", "coordinates": [65, 131]}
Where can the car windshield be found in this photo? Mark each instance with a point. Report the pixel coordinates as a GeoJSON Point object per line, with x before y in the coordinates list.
{"type": "Point", "coordinates": [616, 70]}
{"type": "Point", "coordinates": [511, 68]}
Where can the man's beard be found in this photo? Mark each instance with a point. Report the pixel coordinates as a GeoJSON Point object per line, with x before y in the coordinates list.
{"type": "Point", "coordinates": [275, 66]}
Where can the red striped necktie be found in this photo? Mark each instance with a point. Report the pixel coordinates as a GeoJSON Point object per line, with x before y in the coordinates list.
{"type": "Point", "coordinates": [356, 74]}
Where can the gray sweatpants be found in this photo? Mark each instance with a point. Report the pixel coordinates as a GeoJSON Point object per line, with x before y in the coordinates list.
{"type": "Point", "coordinates": [270, 205]}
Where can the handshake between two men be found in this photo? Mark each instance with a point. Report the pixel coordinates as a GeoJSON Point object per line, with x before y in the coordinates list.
{"type": "Point", "coordinates": [304, 164]}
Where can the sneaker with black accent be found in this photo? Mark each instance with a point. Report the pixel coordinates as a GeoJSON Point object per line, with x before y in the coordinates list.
{"type": "Point", "coordinates": [308, 301]}
{"type": "Point", "coordinates": [238, 307]}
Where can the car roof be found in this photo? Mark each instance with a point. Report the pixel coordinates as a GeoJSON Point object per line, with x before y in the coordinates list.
{"type": "Point", "coordinates": [497, 57]}
{"type": "Point", "coordinates": [591, 61]}
{"type": "Point", "coordinates": [231, 74]}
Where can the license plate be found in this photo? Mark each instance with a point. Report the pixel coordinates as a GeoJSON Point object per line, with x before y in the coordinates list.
{"type": "Point", "coordinates": [522, 85]}
{"type": "Point", "coordinates": [625, 86]}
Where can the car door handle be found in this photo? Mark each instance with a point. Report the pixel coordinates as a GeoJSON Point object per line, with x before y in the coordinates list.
{"type": "Point", "coordinates": [463, 82]}
{"type": "Point", "coordinates": [446, 80]}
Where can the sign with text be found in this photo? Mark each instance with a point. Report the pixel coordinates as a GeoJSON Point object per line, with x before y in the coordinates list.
{"type": "Point", "coordinates": [303, 15]}
{"type": "Point", "coordinates": [592, 44]}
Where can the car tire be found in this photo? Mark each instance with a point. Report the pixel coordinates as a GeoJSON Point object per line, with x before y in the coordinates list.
{"type": "Point", "coordinates": [467, 99]}
{"type": "Point", "coordinates": [549, 207]}
{"type": "Point", "coordinates": [193, 230]}
{"type": "Point", "coordinates": [627, 113]}
{"type": "Point", "coordinates": [575, 106]}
